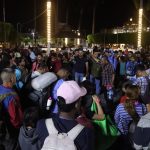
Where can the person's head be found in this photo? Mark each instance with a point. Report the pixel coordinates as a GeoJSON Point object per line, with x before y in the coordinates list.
{"type": "Point", "coordinates": [140, 70]}
{"type": "Point", "coordinates": [95, 53]}
{"type": "Point", "coordinates": [90, 87]}
{"type": "Point", "coordinates": [81, 53]}
{"type": "Point", "coordinates": [122, 59]}
{"type": "Point", "coordinates": [76, 52]}
{"type": "Point", "coordinates": [130, 54]}
{"type": "Point", "coordinates": [132, 94]}
{"type": "Point", "coordinates": [8, 77]}
{"type": "Point", "coordinates": [63, 74]}
{"type": "Point", "coordinates": [69, 94]}
{"type": "Point", "coordinates": [104, 60]}
{"type": "Point", "coordinates": [125, 86]}
{"type": "Point", "coordinates": [42, 67]}
{"type": "Point", "coordinates": [31, 116]}
{"type": "Point", "coordinates": [39, 58]}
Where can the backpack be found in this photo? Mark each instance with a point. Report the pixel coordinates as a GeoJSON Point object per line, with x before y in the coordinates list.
{"type": "Point", "coordinates": [60, 141]}
{"type": "Point", "coordinates": [2, 122]}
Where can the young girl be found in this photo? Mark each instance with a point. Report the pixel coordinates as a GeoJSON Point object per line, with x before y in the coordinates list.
{"type": "Point", "coordinates": [129, 110]}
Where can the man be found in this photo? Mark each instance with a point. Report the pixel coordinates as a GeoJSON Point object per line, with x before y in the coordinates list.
{"type": "Point", "coordinates": [95, 70]}
{"type": "Point", "coordinates": [107, 73]}
{"type": "Point", "coordinates": [69, 94]}
{"type": "Point", "coordinates": [39, 60]}
{"type": "Point", "coordinates": [142, 81]}
{"type": "Point", "coordinates": [10, 107]}
{"type": "Point", "coordinates": [42, 68]}
{"type": "Point", "coordinates": [80, 67]}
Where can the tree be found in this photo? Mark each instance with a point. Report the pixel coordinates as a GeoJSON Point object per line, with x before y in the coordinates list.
{"type": "Point", "coordinates": [7, 29]}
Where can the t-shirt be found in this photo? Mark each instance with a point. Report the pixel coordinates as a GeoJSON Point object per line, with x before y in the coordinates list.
{"type": "Point", "coordinates": [84, 141]}
{"type": "Point", "coordinates": [80, 64]}
{"type": "Point", "coordinates": [122, 68]}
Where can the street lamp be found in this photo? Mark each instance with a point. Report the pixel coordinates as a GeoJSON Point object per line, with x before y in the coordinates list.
{"type": "Point", "coordinates": [140, 25]}
{"type": "Point", "coordinates": [78, 39]}
{"type": "Point", "coordinates": [49, 32]}
{"type": "Point", "coordinates": [66, 41]}
{"type": "Point", "coordinates": [131, 19]}
{"type": "Point", "coordinates": [33, 35]}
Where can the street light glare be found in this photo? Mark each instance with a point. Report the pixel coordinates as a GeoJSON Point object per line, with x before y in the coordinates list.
{"type": "Point", "coordinates": [49, 22]}
{"type": "Point", "coordinates": [139, 44]}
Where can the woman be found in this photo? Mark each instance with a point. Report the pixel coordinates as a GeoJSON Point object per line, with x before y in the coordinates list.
{"type": "Point", "coordinates": [129, 110]}
{"type": "Point", "coordinates": [127, 114]}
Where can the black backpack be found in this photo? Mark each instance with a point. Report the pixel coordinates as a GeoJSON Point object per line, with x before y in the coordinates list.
{"type": "Point", "coordinates": [3, 130]}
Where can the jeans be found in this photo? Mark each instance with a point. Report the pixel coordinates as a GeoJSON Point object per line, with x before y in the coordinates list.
{"type": "Point", "coordinates": [79, 77]}
{"type": "Point", "coordinates": [97, 84]}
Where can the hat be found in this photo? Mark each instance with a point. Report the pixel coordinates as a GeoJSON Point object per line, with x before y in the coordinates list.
{"type": "Point", "coordinates": [71, 91]}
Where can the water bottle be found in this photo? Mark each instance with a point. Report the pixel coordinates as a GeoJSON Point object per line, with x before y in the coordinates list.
{"type": "Point", "coordinates": [49, 102]}
{"type": "Point", "coordinates": [110, 93]}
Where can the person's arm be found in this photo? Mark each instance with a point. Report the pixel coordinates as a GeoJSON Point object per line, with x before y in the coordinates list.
{"type": "Point", "coordinates": [100, 115]}
{"type": "Point", "coordinates": [87, 68]}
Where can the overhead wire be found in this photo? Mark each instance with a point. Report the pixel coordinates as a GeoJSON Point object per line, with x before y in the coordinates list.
{"type": "Point", "coordinates": [35, 18]}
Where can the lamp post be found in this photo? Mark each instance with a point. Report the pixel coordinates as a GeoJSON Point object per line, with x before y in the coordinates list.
{"type": "Point", "coordinates": [49, 30]}
{"type": "Point", "coordinates": [140, 25]}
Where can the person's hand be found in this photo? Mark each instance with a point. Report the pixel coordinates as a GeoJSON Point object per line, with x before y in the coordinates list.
{"type": "Point", "coordinates": [96, 99]}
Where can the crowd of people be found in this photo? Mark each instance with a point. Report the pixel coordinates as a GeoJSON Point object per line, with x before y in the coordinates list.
{"type": "Point", "coordinates": [61, 100]}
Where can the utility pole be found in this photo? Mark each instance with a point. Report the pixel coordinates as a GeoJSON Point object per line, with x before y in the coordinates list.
{"type": "Point", "coordinates": [94, 15]}
{"type": "Point", "coordinates": [4, 21]}
{"type": "Point", "coordinates": [80, 19]}
{"type": "Point", "coordinates": [35, 21]}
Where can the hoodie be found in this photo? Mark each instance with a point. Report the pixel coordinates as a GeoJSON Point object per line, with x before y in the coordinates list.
{"type": "Point", "coordinates": [28, 139]}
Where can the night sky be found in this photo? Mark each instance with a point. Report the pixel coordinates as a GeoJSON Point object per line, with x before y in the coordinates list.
{"type": "Point", "coordinates": [109, 13]}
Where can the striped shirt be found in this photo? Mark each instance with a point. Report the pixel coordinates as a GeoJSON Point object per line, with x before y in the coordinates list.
{"type": "Point", "coordinates": [123, 119]}
{"type": "Point", "coordinates": [142, 83]}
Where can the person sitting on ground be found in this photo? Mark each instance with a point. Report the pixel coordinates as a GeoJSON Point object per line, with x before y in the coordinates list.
{"type": "Point", "coordinates": [69, 94]}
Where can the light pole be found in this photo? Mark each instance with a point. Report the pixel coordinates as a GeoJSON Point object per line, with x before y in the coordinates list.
{"type": "Point", "coordinates": [49, 28]}
{"type": "Point", "coordinates": [18, 33]}
{"type": "Point", "coordinates": [140, 25]}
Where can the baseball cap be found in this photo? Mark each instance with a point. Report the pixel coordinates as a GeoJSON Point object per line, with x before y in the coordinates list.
{"type": "Point", "coordinates": [71, 91]}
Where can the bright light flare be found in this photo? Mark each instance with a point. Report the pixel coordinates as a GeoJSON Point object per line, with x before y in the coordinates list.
{"type": "Point", "coordinates": [78, 41]}
{"type": "Point", "coordinates": [66, 41]}
{"type": "Point", "coordinates": [140, 25]}
{"type": "Point", "coordinates": [49, 9]}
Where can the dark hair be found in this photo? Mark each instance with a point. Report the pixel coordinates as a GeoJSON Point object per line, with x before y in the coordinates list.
{"type": "Point", "coordinates": [31, 116]}
{"type": "Point", "coordinates": [132, 94]}
{"type": "Point", "coordinates": [90, 87]}
{"type": "Point", "coordinates": [140, 67]}
{"type": "Point", "coordinates": [63, 107]}
{"type": "Point", "coordinates": [42, 65]}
